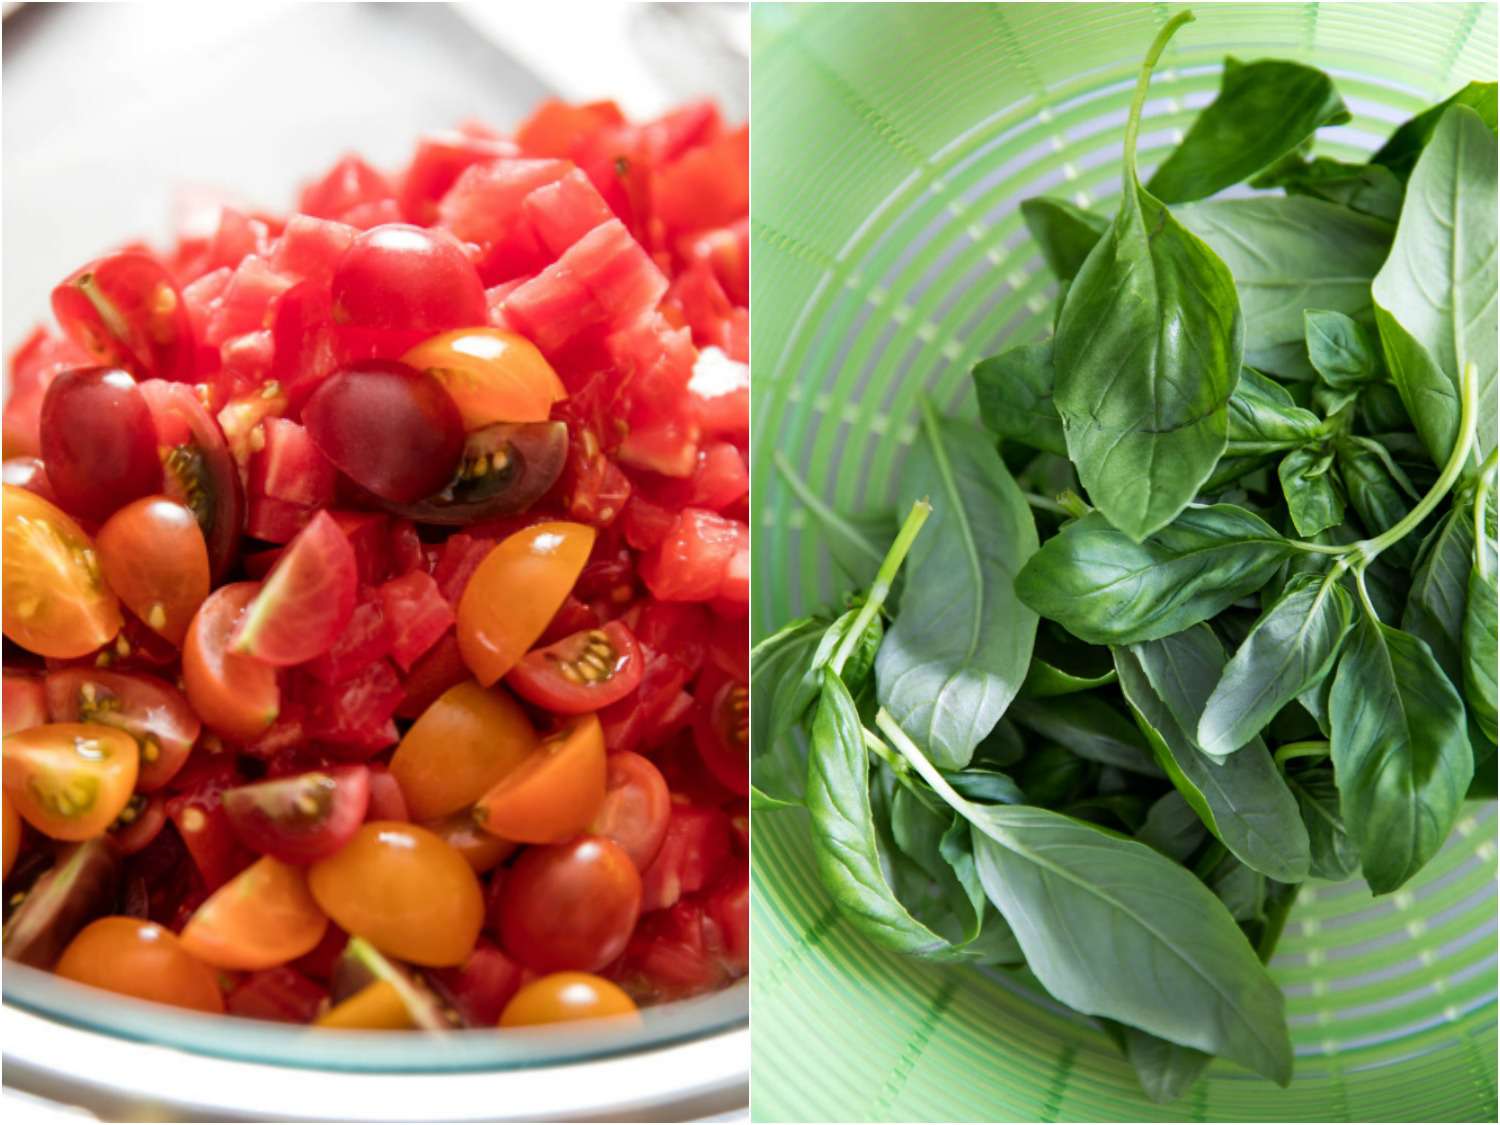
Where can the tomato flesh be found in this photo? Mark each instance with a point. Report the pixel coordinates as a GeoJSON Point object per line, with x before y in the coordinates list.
{"type": "Point", "coordinates": [554, 793]}
{"type": "Point", "coordinates": [235, 695]}
{"type": "Point", "coordinates": [125, 310]}
{"type": "Point", "coordinates": [263, 917]}
{"type": "Point", "coordinates": [70, 781]}
{"type": "Point", "coordinates": [492, 375]}
{"type": "Point", "coordinates": [583, 672]}
{"type": "Point", "coordinates": [300, 819]}
{"type": "Point", "coordinates": [637, 805]}
{"type": "Point", "coordinates": [305, 601]}
{"type": "Point", "coordinates": [150, 710]}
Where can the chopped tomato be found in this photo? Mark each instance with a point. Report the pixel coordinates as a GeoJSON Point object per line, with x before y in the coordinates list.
{"type": "Point", "coordinates": [263, 917]}
{"type": "Point", "coordinates": [583, 672]}
{"type": "Point", "coordinates": [70, 781]}
{"type": "Point", "coordinates": [554, 793]}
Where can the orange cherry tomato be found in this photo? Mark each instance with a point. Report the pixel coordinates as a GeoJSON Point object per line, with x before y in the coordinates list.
{"type": "Point", "coordinates": [555, 793]}
{"type": "Point", "coordinates": [140, 959]}
{"type": "Point", "coordinates": [562, 997]}
{"type": "Point", "coordinates": [236, 695]}
{"type": "Point", "coordinates": [69, 781]}
{"type": "Point", "coordinates": [264, 916]}
{"type": "Point", "coordinates": [405, 891]}
{"type": "Point", "coordinates": [154, 557]}
{"type": "Point", "coordinates": [56, 602]}
{"type": "Point", "coordinates": [12, 837]}
{"type": "Point", "coordinates": [515, 593]}
{"type": "Point", "coordinates": [468, 739]}
{"type": "Point", "coordinates": [376, 1007]}
{"type": "Point", "coordinates": [492, 375]}
{"type": "Point", "coordinates": [483, 851]}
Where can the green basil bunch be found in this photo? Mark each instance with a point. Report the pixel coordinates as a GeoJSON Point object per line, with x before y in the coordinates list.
{"type": "Point", "coordinates": [1207, 606]}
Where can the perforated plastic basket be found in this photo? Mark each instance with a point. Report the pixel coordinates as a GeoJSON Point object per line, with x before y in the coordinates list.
{"type": "Point", "coordinates": [891, 146]}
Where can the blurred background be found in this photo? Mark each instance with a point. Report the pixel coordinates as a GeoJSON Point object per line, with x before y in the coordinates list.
{"type": "Point", "coordinates": [118, 116]}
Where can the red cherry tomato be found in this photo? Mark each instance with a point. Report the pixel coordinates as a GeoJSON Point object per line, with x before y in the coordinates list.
{"type": "Point", "coordinates": [55, 601]}
{"type": "Point", "coordinates": [25, 702]}
{"type": "Point", "coordinates": [407, 282]}
{"type": "Point", "coordinates": [565, 997]}
{"type": "Point", "coordinates": [305, 601]}
{"type": "Point", "coordinates": [139, 823]}
{"type": "Point", "coordinates": [153, 555]}
{"type": "Point", "coordinates": [480, 988]}
{"type": "Point", "coordinates": [583, 672]}
{"type": "Point", "coordinates": [98, 442]}
{"type": "Point", "coordinates": [721, 729]}
{"type": "Point", "coordinates": [235, 695]}
{"type": "Point", "coordinates": [300, 819]}
{"type": "Point", "coordinates": [389, 428]}
{"type": "Point", "coordinates": [140, 959]}
{"type": "Point", "coordinates": [569, 906]}
{"type": "Point", "coordinates": [28, 473]}
{"type": "Point", "coordinates": [151, 711]}
{"type": "Point", "coordinates": [125, 310]}
{"type": "Point", "coordinates": [637, 806]}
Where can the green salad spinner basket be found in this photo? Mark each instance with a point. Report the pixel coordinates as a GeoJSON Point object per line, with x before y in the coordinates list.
{"type": "Point", "coordinates": [892, 145]}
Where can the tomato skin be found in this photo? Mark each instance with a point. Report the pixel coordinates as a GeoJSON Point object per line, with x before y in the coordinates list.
{"type": "Point", "coordinates": [492, 375]}
{"type": "Point", "coordinates": [300, 819]}
{"type": "Point", "coordinates": [140, 959]}
{"type": "Point", "coordinates": [569, 906]}
{"type": "Point", "coordinates": [237, 696]}
{"type": "Point", "coordinates": [281, 994]}
{"type": "Point", "coordinates": [305, 601]}
{"type": "Point", "coordinates": [25, 702]}
{"type": "Point", "coordinates": [97, 441]}
{"type": "Point", "coordinates": [552, 795]}
{"type": "Point", "coordinates": [12, 834]}
{"type": "Point", "coordinates": [514, 593]}
{"type": "Point", "coordinates": [125, 310]}
{"type": "Point", "coordinates": [721, 729]}
{"type": "Point", "coordinates": [56, 602]}
{"type": "Point", "coordinates": [263, 917]}
{"type": "Point", "coordinates": [138, 824]}
{"type": "Point", "coordinates": [405, 891]}
{"type": "Point", "coordinates": [151, 711]}
{"type": "Point", "coordinates": [154, 557]}
{"type": "Point", "coordinates": [564, 997]}
{"type": "Point", "coordinates": [460, 747]}
{"type": "Point", "coordinates": [403, 278]}
{"type": "Point", "coordinates": [583, 672]}
{"type": "Point", "coordinates": [70, 780]}
{"type": "Point", "coordinates": [480, 988]}
{"type": "Point", "coordinates": [637, 805]}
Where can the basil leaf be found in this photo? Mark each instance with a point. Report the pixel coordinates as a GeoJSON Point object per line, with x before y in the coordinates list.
{"type": "Point", "coordinates": [1381, 409]}
{"type": "Point", "coordinates": [1289, 254]}
{"type": "Point", "coordinates": [780, 694]}
{"type": "Point", "coordinates": [1376, 495]}
{"type": "Point", "coordinates": [959, 650]}
{"type": "Point", "coordinates": [1264, 110]}
{"type": "Point", "coordinates": [1241, 889]}
{"type": "Point", "coordinates": [1147, 352]}
{"type": "Point", "coordinates": [1091, 729]}
{"type": "Point", "coordinates": [1172, 827]}
{"type": "Point", "coordinates": [1263, 418]}
{"type": "Point", "coordinates": [1290, 650]}
{"type": "Point", "coordinates": [1014, 390]}
{"type": "Point", "coordinates": [1064, 232]}
{"type": "Point", "coordinates": [1435, 296]}
{"type": "Point", "coordinates": [1479, 650]}
{"type": "Point", "coordinates": [988, 787]}
{"type": "Point", "coordinates": [1314, 499]}
{"type": "Point", "coordinates": [845, 843]}
{"type": "Point", "coordinates": [1406, 144]}
{"type": "Point", "coordinates": [1111, 928]}
{"type": "Point", "coordinates": [1243, 801]}
{"type": "Point", "coordinates": [1044, 680]}
{"type": "Point", "coordinates": [1335, 855]}
{"type": "Point", "coordinates": [1053, 775]}
{"type": "Point", "coordinates": [1400, 751]}
{"type": "Point", "coordinates": [1436, 606]}
{"type": "Point", "coordinates": [1370, 189]}
{"type": "Point", "coordinates": [1165, 1070]}
{"type": "Point", "coordinates": [1339, 349]}
{"type": "Point", "coordinates": [1105, 588]}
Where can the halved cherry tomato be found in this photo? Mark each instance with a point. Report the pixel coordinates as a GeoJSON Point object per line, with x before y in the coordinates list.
{"type": "Point", "coordinates": [197, 468]}
{"type": "Point", "coordinates": [24, 704]}
{"type": "Point", "coordinates": [555, 793]}
{"type": "Point", "coordinates": [483, 851]}
{"type": "Point", "coordinates": [515, 592]}
{"type": "Point", "coordinates": [480, 988]}
{"type": "Point", "coordinates": [637, 805]}
{"type": "Point", "coordinates": [583, 672]}
{"type": "Point", "coordinates": [140, 959]}
{"type": "Point", "coordinates": [56, 602]}
{"type": "Point", "coordinates": [12, 833]}
{"type": "Point", "coordinates": [153, 555]}
{"type": "Point", "coordinates": [139, 822]}
{"type": "Point", "coordinates": [300, 819]}
{"type": "Point", "coordinates": [70, 780]}
{"type": "Point", "coordinates": [262, 917]}
{"type": "Point", "coordinates": [305, 602]}
{"type": "Point", "coordinates": [493, 375]}
{"type": "Point", "coordinates": [98, 442]}
{"type": "Point", "coordinates": [408, 281]}
{"type": "Point", "coordinates": [376, 1007]}
{"type": "Point", "coordinates": [569, 906]}
{"type": "Point", "coordinates": [125, 309]}
{"type": "Point", "coordinates": [237, 696]}
{"type": "Point", "coordinates": [721, 728]}
{"type": "Point", "coordinates": [563, 997]}
{"type": "Point", "coordinates": [151, 711]}
{"type": "Point", "coordinates": [405, 891]}
{"type": "Point", "coordinates": [463, 744]}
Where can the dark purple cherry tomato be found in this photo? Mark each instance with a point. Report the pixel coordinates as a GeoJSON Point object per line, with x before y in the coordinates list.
{"type": "Point", "coordinates": [300, 819]}
{"type": "Point", "coordinates": [98, 441]}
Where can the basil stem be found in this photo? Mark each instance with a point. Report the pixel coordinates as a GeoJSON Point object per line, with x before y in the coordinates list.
{"type": "Point", "coordinates": [880, 589]}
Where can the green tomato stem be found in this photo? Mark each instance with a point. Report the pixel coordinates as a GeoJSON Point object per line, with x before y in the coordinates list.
{"type": "Point", "coordinates": [880, 589]}
{"type": "Point", "coordinates": [1292, 750]}
{"type": "Point", "coordinates": [1143, 83]}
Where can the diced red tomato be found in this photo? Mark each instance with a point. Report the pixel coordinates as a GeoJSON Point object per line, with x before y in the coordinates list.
{"type": "Point", "coordinates": [280, 994]}
{"type": "Point", "coordinates": [555, 126]}
{"type": "Point", "coordinates": [355, 714]}
{"type": "Point", "coordinates": [691, 563]}
{"type": "Point", "coordinates": [439, 160]}
{"type": "Point", "coordinates": [694, 853]}
{"type": "Point", "coordinates": [309, 248]}
{"type": "Point", "coordinates": [416, 615]}
{"type": "Point", "coordinates": [348, 184]}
